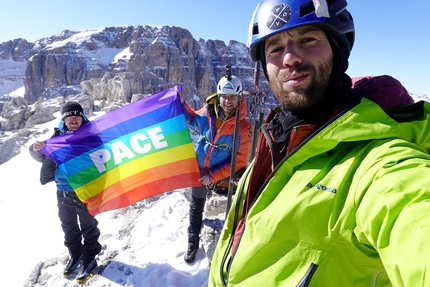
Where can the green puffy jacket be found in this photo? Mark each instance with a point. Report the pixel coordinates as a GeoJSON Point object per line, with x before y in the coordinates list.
{"type": "Point", "coordinates": [349, 206]}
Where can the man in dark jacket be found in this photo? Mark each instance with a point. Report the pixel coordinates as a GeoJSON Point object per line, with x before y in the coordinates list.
{"type": "Point", "coordinates": [76, 222]}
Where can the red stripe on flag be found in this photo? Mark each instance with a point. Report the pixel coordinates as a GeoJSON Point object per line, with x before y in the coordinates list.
{"type": "Point", "coordinates": [98, 204]}
{"type": "Point", "coordinates": [161, 179]}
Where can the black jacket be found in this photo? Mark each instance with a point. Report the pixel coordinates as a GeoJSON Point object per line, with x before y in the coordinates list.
{"type": "Point", "coordinates": [47, 171]}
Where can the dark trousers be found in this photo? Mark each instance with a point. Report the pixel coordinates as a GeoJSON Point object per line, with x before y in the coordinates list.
{"type": "Point", "coordinates": [77, 223]}
{"type": "Point", "coordinates": [198, 198]}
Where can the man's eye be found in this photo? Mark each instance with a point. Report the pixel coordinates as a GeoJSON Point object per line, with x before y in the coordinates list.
{"type": "Point", "coordinates": [308, 40]}
{"type": "Point", "coordinates": [275, 50]}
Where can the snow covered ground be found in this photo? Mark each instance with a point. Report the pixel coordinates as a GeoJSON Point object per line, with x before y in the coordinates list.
{"type": "Point", "coordinates": [143, 245]}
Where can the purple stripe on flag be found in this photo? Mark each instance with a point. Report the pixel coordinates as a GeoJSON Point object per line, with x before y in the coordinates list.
{"type": "Point", "coordinates": [88, 132]}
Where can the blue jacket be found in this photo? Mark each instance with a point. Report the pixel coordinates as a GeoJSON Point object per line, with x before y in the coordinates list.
{"type": "Point", "coordinates": [214, 149]}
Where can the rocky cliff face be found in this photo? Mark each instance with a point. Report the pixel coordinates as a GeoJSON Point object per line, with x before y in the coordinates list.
{"type": "Point", "coordinates": [110, 67]}
{"type": "Point", "coordinates": [115, 63]}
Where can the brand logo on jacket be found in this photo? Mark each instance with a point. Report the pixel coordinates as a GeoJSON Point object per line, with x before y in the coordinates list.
{"type": "Point", "coordinates": [322, 187]}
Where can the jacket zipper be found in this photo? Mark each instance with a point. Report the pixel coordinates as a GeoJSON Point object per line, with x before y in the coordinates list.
{"type": "Point", "coordinates": [308, 276]}
{"type": "Point", "coordinates": [269, 140]}
{"type": "Point", "coordinates": [239, 192]}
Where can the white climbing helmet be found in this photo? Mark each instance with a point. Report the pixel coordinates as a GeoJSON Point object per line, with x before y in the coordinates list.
{"type": "Point", "coordinates": [232, 86]}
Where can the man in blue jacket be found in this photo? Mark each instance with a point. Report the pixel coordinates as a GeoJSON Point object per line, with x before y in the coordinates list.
{"type": "Point", "coordinates": [76, 222]}
{"type": "Point", "coordinates": [215, 123]}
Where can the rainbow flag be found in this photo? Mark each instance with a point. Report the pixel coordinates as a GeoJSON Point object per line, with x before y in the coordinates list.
{"type": "Point", "coordinates": [129, 154]}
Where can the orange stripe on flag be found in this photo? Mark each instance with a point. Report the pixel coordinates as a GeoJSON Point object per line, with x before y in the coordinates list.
{"type": "Point", "coordinates": [96, 206]}
{"type": "Point", "coordinates": [158, 175]}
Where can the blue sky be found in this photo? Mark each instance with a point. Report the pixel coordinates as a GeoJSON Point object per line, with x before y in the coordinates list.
{"type": "Point", "coordinates": [392, 37]}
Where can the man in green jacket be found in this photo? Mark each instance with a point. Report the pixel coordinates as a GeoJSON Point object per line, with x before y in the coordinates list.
{"type": "Point", "coordinates": [338, 193]}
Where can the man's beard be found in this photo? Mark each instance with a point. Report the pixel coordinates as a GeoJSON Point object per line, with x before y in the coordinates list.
{"type": "Point", "coordinates": [307, 97]}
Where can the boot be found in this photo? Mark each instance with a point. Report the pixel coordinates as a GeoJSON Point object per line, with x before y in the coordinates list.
{"type": "Point", "coordinates": [190, 255]}
{"type": "Point", "coordinates": [196, 215]}
{"type": "Point", "coordinates": [72, 264]}
{"type": "Point", "coordinates": [86, 271]}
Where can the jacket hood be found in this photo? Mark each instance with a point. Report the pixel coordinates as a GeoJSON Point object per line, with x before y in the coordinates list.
{"type": "Point", "coordinates": [386, 111]}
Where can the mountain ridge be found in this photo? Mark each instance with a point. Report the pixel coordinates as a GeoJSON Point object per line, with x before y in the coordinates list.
{"type": "Point", "coordinates": [106, 68]}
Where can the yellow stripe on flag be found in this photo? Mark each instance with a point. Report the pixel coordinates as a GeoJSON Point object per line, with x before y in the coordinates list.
{"type": "Point", "coordinates": [136, 166]}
